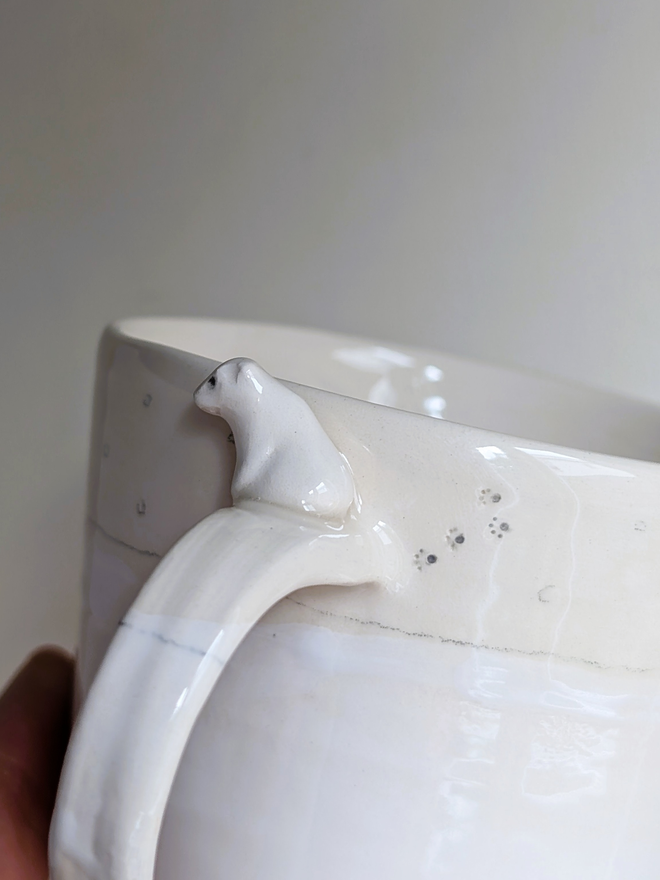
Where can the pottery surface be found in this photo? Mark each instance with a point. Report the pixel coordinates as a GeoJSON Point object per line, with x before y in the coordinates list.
{"type": "Point", "coordinates": [485, 704]}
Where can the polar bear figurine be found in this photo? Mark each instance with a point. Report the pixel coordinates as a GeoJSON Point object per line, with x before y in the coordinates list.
{"type": "Point", "coordinates": [283, 455]}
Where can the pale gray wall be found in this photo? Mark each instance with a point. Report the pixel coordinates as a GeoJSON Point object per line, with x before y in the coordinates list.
{"type": "Point", "coordinates": [480, 176]}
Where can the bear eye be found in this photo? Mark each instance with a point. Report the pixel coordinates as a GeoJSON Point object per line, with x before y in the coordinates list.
{"type": "Point", "coordinates": [212, 381]}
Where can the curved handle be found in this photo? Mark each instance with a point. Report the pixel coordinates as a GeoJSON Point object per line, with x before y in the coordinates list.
{"type": "Point", "coordinates": [191, 615]}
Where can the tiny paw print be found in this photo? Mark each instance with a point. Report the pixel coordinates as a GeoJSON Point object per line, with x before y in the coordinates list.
{"type": "Point", "coordinates": [487, 496]}
{"type": "Point", "coordinates": [454, 538]}
{"type": "Point", "coordinates": [498, 528]}
{"type": "Point", "coordinates": [424, 558]}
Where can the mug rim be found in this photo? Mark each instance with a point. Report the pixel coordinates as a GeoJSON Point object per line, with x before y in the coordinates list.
{"type": "Point", "coordinates": [123, 326]}
{"type": "Point", "coordinates": [159, 332]}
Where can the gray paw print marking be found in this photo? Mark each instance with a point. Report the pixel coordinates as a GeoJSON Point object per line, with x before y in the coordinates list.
{"type": "Point", "coordinates": [424, 558]}
{"type": "Point", "coordinates": [498, 528]}
{"type": "Point", "coordinates": [454, 538]}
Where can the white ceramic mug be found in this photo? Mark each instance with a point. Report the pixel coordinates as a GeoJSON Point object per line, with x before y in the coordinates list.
{"type": "Point", "coordinates": [465, 683]}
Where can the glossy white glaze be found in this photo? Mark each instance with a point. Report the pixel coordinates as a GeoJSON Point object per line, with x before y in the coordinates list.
{"type": "Point", "coordinates": [283, 455]}
{"type": "Point", "coordinates": [409, 757]}
{"type": "Point", "coordinates": [294, 523]}
{"type": "Point", "coordinates": [486, 712]}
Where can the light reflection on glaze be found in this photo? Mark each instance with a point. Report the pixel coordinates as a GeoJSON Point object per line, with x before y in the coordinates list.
{"type": "Point", "coordinates": [568, 759]}
{"type": "Point", "coordinates": [403, 382]}
{"type": "Point", "coordinates": [501, 773]}
{"type": "Point", "coordinates": [491, 453]}
{"type": "Point", "coordinates": [572, 465]}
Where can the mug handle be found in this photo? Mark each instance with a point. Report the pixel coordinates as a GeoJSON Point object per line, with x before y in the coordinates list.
{"type": "Point", "coordinates": [293, 524]}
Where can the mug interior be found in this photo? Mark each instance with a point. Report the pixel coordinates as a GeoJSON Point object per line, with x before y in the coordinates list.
{"type": "Point", "coordinates": [439, 385]}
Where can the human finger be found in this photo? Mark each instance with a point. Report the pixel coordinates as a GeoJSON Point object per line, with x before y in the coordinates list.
{"type": "Point", "coordinates": [35, 713]}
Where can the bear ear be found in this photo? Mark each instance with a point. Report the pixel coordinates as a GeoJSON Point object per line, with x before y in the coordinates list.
{"type": "Point", "coordinates": [250, 373]}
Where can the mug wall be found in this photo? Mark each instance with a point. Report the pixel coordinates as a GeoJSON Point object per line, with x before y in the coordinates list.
{"type": "Point", "coordinates": [505, 691]}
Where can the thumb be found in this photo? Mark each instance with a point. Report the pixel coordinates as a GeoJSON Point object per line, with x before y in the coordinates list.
{"type": "Point", "coordinates": [35, 712]}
